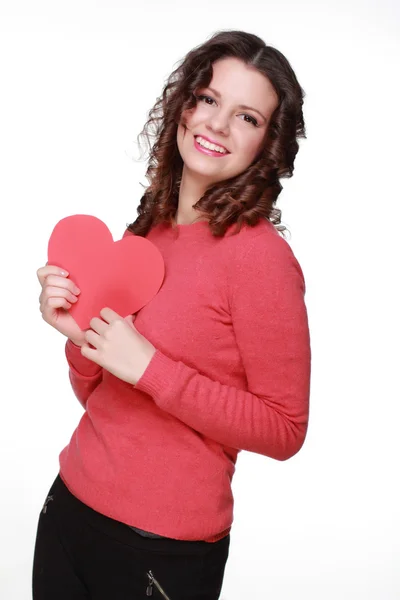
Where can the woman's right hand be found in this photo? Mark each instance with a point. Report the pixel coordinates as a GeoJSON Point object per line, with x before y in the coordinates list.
{"type": "Point", "coordinates": [57, 296]}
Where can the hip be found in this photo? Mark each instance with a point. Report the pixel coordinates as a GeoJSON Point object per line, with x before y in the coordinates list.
{"type": "Point", "coordinates": [105, 552]}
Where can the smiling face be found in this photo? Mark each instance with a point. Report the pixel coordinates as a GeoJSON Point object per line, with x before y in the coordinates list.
{"type": "Point", "coordinates": [227, 127]}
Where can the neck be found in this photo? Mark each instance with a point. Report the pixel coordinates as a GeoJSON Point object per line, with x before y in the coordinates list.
{"type": "Point", "coordinates": [191, 189]}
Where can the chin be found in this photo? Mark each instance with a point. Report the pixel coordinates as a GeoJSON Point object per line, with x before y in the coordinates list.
{"type": "Point", "coordinates": [210, 176]}
{"type": "Point", "coordinates": [198, 163]}
{"type": "Point", "coordinates": [201, 165]}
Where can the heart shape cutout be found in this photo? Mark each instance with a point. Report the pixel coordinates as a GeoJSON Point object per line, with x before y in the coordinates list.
{"type": "Point", "coordinates": [123, 275]}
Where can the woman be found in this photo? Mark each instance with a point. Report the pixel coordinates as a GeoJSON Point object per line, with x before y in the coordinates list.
{"type": "Point", "coordinates": [217, 362]}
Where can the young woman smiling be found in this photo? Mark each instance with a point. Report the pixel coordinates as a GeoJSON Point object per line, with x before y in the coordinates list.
{"type": "Point", "coordinates": [218, 362]}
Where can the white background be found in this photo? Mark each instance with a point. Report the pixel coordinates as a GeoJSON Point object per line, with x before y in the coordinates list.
{"type": "Point", "coordinates": [76, 82]}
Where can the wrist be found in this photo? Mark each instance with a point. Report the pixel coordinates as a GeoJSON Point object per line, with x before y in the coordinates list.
{"type": "Point", "coordinates": [143, 368]}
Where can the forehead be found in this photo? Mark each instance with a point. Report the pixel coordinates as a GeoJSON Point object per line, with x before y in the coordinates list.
{"type": "Point", "coordinates": [242, 84]}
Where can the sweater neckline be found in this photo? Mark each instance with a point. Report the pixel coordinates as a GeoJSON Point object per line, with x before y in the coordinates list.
{"type": "Point", "coordinates": [190, 229]}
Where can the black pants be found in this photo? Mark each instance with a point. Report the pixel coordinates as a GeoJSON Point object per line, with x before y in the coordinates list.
{"type": "Point", "coordinates": [81, 554]}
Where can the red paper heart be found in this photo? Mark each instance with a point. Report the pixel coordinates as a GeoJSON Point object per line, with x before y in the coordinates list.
{"type": "Point", "coordinates": [123, 275]}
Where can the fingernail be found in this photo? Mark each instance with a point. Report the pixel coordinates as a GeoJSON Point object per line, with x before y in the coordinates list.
{"type": "Point", "coordinates": [64, 273]}
{"type": "Point", "coordinates": [77, 291]}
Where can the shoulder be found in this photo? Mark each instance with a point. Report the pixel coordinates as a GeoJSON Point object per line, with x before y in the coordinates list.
{"type": "Point", "coordinates": [248, 236]}
{"type": "Point", "coordinates": [260, 243]}
{"type": "Point", "coordinates": [261, 252]}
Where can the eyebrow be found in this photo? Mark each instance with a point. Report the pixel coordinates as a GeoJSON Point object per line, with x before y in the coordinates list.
{"type": "Point", "coordinates": [216, 92]}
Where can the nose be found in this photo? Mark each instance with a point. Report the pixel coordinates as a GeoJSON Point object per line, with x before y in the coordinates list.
{"type": "Point", "coordinates": [219, 122]}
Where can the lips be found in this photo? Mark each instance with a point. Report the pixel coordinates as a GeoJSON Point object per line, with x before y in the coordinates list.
{"type": "Point", "coordinates": [212, 142]}
{"type": "Point", "coordinates": [209, 151]}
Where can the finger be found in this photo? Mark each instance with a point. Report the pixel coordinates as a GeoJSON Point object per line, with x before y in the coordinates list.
{"type": "Point", "coordinates": [93, 338]}
{"type": "Point", "coordinates": [62, 282]}
{"type": "Point", "coordinates": [43, 272]}
{"type": "Point", "coordinates": [89, 353]}
{"type": "Point", "coordinates": [130, 319]}
{"type": "Point", "coordinates": [56, 292]}
{"type": "Point", "coordinates": [98, 325]}
{"type": "Point", "coordinates": [109, 315]}
{"type": "Point", "coordinates": [53, 303]}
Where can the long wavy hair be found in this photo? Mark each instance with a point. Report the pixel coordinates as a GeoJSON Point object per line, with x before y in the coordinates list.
{"type": "Point", "coordinates": [249, 196]}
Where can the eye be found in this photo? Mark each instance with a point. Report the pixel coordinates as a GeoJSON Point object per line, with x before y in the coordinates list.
{"type": "Point", "coordinates": [205, 98]}
{"type": "Point", "coordinates": [251, 120]}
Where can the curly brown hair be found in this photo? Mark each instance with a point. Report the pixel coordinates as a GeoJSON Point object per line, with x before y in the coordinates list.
{"type": "Point", "coordinates": [249, 196]}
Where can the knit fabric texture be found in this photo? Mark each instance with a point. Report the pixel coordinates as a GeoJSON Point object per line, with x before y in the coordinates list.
{"type": "Point", "coordinates": [231, 372]}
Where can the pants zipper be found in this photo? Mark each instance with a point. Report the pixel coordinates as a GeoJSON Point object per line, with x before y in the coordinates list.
{"type": "Point", "coordinates": [149, 590]}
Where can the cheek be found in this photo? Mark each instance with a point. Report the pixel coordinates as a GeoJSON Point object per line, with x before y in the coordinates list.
{"type": "Point", "coordinates": [179, 137]}
{"type": "Point", "coordinates": [195, 116]}
{"type": "Point", "coordinates": [250, 147]}
{"type": "Point", "coordinates": [188, 117]}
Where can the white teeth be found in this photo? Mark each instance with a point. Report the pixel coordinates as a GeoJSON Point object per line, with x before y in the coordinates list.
{"type": "Point", "coordinates": [210, 146]}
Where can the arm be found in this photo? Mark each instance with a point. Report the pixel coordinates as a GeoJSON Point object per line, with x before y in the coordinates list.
{"type": "Point", "coordinates": [84, 374]}
{"type": "Point", "coordinates": [271, 327]}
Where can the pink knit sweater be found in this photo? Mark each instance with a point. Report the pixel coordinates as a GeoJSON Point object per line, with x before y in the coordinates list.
{"type": "Point", "coordinates": [231, 372]}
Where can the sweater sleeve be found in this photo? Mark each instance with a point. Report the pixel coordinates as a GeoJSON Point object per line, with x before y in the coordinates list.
{"type": "Point", "coordinates": [84, 374]}
{"type": "Point", "coordinates": [270, 321]}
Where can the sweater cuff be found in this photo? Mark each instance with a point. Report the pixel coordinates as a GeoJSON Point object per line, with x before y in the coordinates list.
{"type": "Point", "coordinates": [158, 378]}
{"type": "Point", "coordinates": [80, 365]}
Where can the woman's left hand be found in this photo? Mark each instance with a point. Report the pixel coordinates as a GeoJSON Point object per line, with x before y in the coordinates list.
{"type": "Point", "coordinates": [118, 347]}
